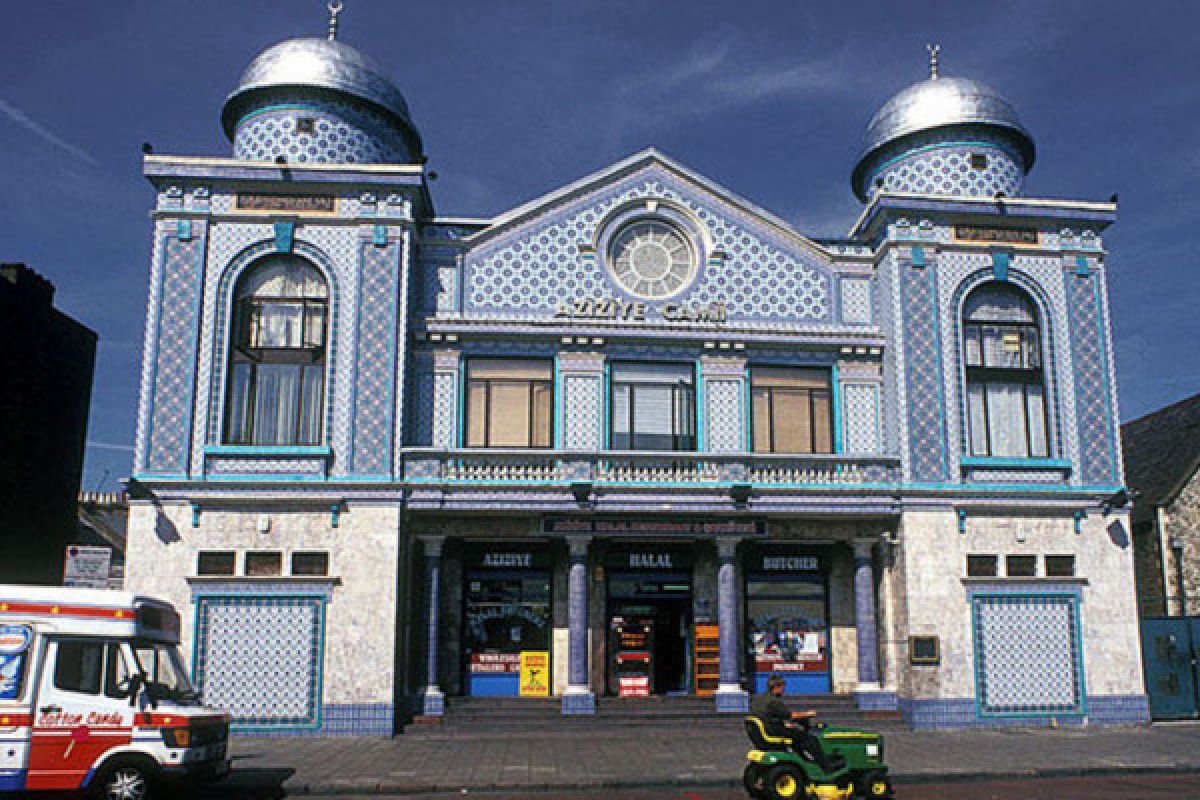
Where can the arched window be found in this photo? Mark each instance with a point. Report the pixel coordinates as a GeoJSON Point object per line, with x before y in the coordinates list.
{"type": "Point", "coordinates": [277, 358]}
{"type": "Point", "coordinates": [1006, 394]}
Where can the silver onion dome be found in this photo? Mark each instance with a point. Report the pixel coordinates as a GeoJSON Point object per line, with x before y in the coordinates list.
{"type": "Point", "coordinates": [322, 64]}
{"type": "Point", "coordinates": [938, 102]}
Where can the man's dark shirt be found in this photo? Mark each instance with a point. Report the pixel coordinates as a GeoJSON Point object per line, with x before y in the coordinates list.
{"type": "Point", "coordinates": [773, 712]}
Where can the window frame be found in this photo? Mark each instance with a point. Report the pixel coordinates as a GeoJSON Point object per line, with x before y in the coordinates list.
{"type": "Point", "coordinates": [530, 383]}
{"type": "Point", "coordinates": [692, 437]}
{"type": "Point", "coordinates": [982, 377]}
{"type": "Point", "coordinates": [244, 329]}
{"type": "Point", "coordinates": [812, 416]}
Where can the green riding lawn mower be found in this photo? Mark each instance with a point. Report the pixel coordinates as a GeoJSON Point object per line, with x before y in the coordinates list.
{"type": "Point", "coordinates": [775, 771]}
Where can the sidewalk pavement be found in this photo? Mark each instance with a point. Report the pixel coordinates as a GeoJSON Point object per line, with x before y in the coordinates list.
{"type": "Point", "coordinates": [633, 759]}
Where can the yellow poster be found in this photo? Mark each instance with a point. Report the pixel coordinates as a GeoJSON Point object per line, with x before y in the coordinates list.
{"type": "Point", "coordinates": [535, 673]}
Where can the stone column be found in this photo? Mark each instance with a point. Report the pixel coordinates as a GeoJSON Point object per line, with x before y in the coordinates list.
{"type": "Point", "coordinates": [866, 627]}
{"type": "Point", "coordinates": [433, 701]}
{"type": "Point", "coordinates": [578, 697]}
{"type": "Point", "coordinates": [730, 697]}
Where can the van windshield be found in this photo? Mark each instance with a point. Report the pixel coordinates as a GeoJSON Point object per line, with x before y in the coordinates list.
{"type": "Point", "coordinates": [163, 671]}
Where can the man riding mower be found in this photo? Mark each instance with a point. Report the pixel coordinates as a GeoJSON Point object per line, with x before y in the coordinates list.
{"type": "Point", "coordinates": [798, 758]}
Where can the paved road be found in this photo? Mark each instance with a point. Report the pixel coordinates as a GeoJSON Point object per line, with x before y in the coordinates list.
{"type": "Point", "coordinates": [1109, 787]}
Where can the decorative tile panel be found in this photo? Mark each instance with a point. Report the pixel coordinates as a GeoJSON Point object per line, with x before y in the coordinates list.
{"type": "Point", "coordinates": [259, 657]}
{"type": "Point", "coordinates": [1027, 654]}
{"type": "Point", "coordinates": [582, 403]}
{"type": "Point", "coordinates": [937, 163]}
{"type": "Point", "coordinates": [342, 132]}
{"type": "Point", "coordinates": [860, 410]}
{"type": "Point", "coordinates": [760, 277]}
{"type": "Point", "coordinates": [925, 411]}
{"type": "Point", "coordinates": [422, 409]}
{"type": "Point", "coordinates": [856, 301]}
{"type": "Point", "coordinates": [1093, 406]}
{"type": "Point", "coordinates": [175, 356]}
{"type": "Point", "coordinates": [445, 409]}
{"type": "Point", "coordinates": [724, 416]}
{"type": "Point", "coordinates": [375, 356]}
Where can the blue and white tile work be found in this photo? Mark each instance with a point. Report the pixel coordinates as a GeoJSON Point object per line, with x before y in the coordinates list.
{"type": "Point", "coordinates": [382, 499]}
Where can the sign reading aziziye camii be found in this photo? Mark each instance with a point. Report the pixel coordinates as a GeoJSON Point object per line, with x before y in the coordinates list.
{"type": "Point", "coordinates": [613, 308]}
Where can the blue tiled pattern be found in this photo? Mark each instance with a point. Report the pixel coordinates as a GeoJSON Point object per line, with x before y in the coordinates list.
{"type": "Point", "coordinates": [581, 412]}
{"type": "Point", "coordinates": [344, 133]}
{"type": "Point", "coordinates": [540, 265]}
{"type": "Point", "coordinates": [940, 163]}
{"type": "Point", "coordinates": [421, 430]}
{"type": "Point", "coordinates": [374, 355]}
{"type": "Point", "coordinates": [259, 657]}
{"type": "Point", "coordinates": [1027, 654]}
{"type": "Point", "coordinates": [860, 409]}
{"type": "Point", "coordinates": [723, 416]}
{"type": "Point", "coordinates": [856, 301]}
{"type": "Point", "coordinates": [1092, 397]}
{"type": "Point", "coordinates": [923, 373]}
{"type": "Point", "coordinates": [175, 357]}
{"type": "Point", "coordinates": [445, 405]}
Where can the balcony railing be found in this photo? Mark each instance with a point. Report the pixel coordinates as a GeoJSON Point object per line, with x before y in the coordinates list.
{"type": "Point", "coordinates": [641, 468]}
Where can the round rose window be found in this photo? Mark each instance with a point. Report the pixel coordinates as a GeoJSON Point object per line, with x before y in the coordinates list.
{"type": "Point", "coordinates": [652, 259]}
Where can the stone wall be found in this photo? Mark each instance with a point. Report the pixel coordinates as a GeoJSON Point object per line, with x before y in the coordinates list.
{"type": "Point", "coordinates": [1182, 523]}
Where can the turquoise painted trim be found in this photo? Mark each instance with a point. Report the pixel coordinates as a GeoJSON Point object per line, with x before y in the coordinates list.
{"type": "Point", "coordinates": [941, 371]}
{"type": "Point", "coordinates": [606, 403]}
{"type": "Point", "coordinates": [284, 107]}
{"type": "Point", "coordinates": [267, 450]}
{"type": "Point", "coordinates": [1000, 263]}
{"type": "Point", "coordinates": [991, 489]}
{"type": "Point", "coordinates": [1081, 266]}
{"type": "Point", "coordinates": [394, 377]}
{"type": "Point", "coordinates": [1102, 345]}
{"type": "Point", "coordinates": [266, 477]}
{"type": "Point", "coordinates": [930, 148]}
{"type": "Point", "coordinates": [701, 400]}
{"type": "Point", "coordinates": [352, 427]}
{"type": "Point", "coordinates": [835, 391]}
{"type": "Point", "coordinates": [747, 433]}
{"type": "Point", "coordinates": [1015, 463]}
{"type": "Point", "coordinates": [285, 235]}
{"type": "Point", "coordinates": [160, 476]}
{"type": "Point", "coordinates": [183, 230]}
{"type": "Point", "coordinates": [460, 402]}
{"type": "Point", "coordinates": [918, 256]}
{"type": "Point", "coordinates": [556, 403]}
{"type": "Point", "coordinates": [379, 235]}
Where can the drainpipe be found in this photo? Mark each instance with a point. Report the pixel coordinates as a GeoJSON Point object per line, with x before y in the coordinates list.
{"type": "Point", "coordinates": [1177, 550]}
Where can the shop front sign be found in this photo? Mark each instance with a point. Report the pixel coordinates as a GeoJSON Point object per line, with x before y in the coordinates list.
{"type": "Point", "coordinates": [616, 310]}
{"type": "Point", "coordinates": [535, 674]}
{"type": "Point", "coordinates": [789, 563]}
{"type": "Point", "coordinates": [655, 527]}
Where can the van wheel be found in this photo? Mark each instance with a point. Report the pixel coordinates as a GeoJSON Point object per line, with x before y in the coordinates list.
{"type": "Point", "coordinates": [125, 781]}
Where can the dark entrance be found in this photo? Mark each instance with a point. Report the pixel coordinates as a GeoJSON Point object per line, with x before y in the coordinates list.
{"type": "Point", "coordinates": [649, 632]}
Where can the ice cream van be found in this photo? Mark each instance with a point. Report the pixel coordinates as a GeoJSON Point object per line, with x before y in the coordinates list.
{"type": "Point", "coordinates": [94, 696]}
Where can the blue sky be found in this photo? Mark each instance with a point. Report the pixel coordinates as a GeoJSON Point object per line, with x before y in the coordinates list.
{"type": "Point", "coordinates": [516, 98]}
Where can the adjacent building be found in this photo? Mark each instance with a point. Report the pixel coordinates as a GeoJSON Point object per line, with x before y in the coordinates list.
{"type": "Point", "coordinates": [638, 432]}
{"type": "Point", "coordinates": [47, 359]}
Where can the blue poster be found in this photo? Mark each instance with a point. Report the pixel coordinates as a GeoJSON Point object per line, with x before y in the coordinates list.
{"type": "Point", "coordinates": [14, 644]}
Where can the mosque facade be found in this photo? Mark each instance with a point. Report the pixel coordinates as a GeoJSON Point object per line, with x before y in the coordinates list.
{"type": "Point", "coordinates": [636, 436]}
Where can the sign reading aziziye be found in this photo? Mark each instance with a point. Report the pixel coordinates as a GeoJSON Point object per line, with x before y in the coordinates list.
{"type": "Point", "coordinates": [638, 311]}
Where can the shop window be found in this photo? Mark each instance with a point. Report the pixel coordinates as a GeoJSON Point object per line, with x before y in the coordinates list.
{"type": "Point", "coordinates": [788, 628]}
{"type": "Point", "coordinates": [277, 362]}
{"type": "Point", "coordinates": [653, 407]}
{"type": "Point", "coordinates": [1020, 566]}
{"type": "Point", "coordinates": [215, 562]}
{"type": "Point", "coordinates": [791, 410]}
{"type": "Point", "coordinates": [505, 613]}
{"type": "Point", "coordinates": [264, 563]}
{"type": "Point", "coordinates": [1006, 396]}
{"type": "Point", "coordinates": [982, 566]}
{"type": "Point", "coordinates": [310, 563]}
{"type": "Point", "coordinates": [509, 403]}
{"type": "Point", "coordinates": [1060, 566]}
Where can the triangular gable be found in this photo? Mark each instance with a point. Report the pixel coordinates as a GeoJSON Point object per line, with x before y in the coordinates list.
{"type": "Point", "coordinates": [650, 157]}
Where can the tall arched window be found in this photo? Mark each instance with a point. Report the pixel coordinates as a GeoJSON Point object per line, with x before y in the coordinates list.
{"type": "Point", "coordinates": [277, 361]}
{"type": "Point", "coordinates": [1006, 394]}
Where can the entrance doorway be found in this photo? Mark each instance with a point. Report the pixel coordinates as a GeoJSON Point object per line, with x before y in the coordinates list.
{"type": "Point", "coordinates": [649, 633]}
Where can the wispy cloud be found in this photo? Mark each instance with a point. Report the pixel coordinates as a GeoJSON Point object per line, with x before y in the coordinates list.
{"type": "Point", "coordinates": [712, 80]}
{"type": "Point", "coordinates": [46, 135]}
{"type": "Point", "coordinates": [122, 448]}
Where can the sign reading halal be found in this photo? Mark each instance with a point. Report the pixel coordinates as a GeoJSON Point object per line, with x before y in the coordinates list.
{"type": "Point", "coordinates": [618, 310]}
